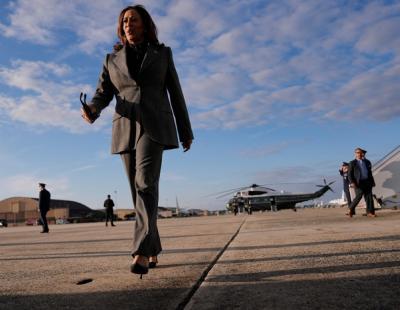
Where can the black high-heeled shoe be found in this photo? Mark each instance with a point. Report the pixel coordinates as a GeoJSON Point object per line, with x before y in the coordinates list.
{"type": "Point", "coordinates": [139, 269]}
{"type": "Point", "coordinates": [153, 264]}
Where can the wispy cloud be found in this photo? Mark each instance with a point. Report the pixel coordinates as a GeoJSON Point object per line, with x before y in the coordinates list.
{"type": "Point", "coordinates": [314, 60]}
{"type": "Point", "coordinates": [93, 23]}
{"type": "Point", "coordinates": [171, 176]}
{"type": "Point", "coordinates": [83, 168]}
{"type": "Point", "coordinates": [27, 185]}
{"type": "Point", "coordinates": [268, 150]}
{"type": "Point", "coordinates": [252, 109]}
{"type": "Point", "coordinates": [49, 98]}
{"type": "Point", "coordinates": [244, 64]}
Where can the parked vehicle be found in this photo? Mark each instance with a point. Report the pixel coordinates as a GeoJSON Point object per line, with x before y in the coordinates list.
{"type": "Point", "coordinates": [3, 223]}
{"type": "Point", "coordinates": [62, 221]}
{"type": "Point", "coordinates": [30, 222]}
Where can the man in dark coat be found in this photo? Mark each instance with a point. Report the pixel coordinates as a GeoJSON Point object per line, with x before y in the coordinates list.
{"type": "Point", "coordinates": [44, 206]}
{"type": "Point", "coordinates": [361, 179]}
{"type": "Point", "coordinates": [109, 205]}
{"type": "Point", "coordinates": [344, 172]}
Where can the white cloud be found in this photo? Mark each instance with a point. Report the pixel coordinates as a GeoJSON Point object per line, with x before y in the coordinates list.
{"type": "Point", "coordinates": [228, 42]}
{"type": "Point", "coordinates": [352, 23]}
{"type": "Point", "coordinates": [47, 100]}
{"type": "Point", "coordinates": [41, 21]}
{"type": "Point", "coordinates": [211, 24]}
{"type": "Point", "coordinates": [212, 89]}
{"type": "Point", "coordinates": [29, 21]}
{"type": "Point", "coordinates": [32, 20]}
{"type": "Point", "coordinates": [371, 95]}
{"type": "Point", "coordinates": [308, 59]}
{"type": "Point", "coordinates": [32, 75]}
{"type": "Point", "coordinates": [83, 168]}
{"type": "Point", "coordinates": [252, 109]}
{"type": "Point", "coordinates": [381, 37]}
{"type": "Point", "coordinates": [312, 59]}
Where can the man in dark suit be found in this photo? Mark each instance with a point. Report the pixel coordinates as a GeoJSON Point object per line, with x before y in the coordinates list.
{"type": "Point", "coordinates": [109, 205]}
{"type": "Point", "coordinates": [361, 179]}
{"type": "Point", "coordinates": [44, 206]}
{"type": "Point", "coordinates": [344, 172]}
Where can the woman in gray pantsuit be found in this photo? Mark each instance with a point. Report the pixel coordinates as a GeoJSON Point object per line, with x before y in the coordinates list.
{"type": "Point", "coordinates": [140, 73]}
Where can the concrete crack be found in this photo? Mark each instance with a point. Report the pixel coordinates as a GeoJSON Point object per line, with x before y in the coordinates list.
{"type": "Point", "coordinates": [203, 276]}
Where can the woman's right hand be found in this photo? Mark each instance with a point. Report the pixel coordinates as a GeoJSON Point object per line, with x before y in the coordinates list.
{"type": "Point", "coordinates": [86, 117]}
{"type": "Point", "coordinates": [186, 145]}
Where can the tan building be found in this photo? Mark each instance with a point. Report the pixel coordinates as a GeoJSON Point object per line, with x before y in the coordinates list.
{"type": "Point", "coordinates": [123, 213]}
{"type": "Point", "coordinates": [25, 209]}
{"type": "Point", "coordinates": [164, 212]}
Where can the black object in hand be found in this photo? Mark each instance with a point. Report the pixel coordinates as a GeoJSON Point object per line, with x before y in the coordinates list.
{"type": "Point", "coordinates": [86, 108]}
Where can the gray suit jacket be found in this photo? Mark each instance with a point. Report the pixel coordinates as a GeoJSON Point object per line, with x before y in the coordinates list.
{"type": "Point", "coordinates": [145, 100]}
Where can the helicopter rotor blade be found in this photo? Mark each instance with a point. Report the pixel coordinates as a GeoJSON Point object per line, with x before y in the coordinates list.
{"type": "Point", "coordinates": [223, 195]}
{"type": "Point", "coordinates": [228, 191]}
{"type": "Point", "coordinates": [234, 190]}
{"type": "Point", "coordinates": [288, 183]}
{"type": "Point", "coordinates": [326, 184]}
{"type": "Point", "coordinates": [264, 185]}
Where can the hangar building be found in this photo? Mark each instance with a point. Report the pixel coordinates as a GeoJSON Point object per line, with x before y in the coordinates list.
{"type": "Point", "coordinates": [23, 209]}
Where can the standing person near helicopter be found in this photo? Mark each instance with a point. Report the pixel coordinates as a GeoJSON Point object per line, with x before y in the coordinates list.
{"type": "Point", "coordinates": [362, 181]}
{"type": "Point", "coordinates": [344, 172]}
{"type": "Point", "coordinates": [140, 73]}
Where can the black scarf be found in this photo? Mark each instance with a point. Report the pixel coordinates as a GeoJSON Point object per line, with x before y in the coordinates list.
{"type": "Point", "coordinates": [134, 57]}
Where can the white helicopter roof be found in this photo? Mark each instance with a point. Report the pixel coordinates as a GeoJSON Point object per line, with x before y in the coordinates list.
{"type": "Point", "coordinates": [259, 191]}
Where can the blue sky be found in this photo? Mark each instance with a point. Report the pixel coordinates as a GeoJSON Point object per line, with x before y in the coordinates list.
{"type": "Point", "coordinates": [277, 91]}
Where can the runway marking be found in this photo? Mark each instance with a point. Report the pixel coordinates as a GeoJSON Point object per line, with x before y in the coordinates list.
{"type": "Point", "coordinates": [203, 276]}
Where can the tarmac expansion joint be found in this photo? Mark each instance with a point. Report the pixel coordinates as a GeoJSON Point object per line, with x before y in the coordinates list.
{"type": "Point", "coordinates": [203, 276]}
{"type": "Point", "coordinates": [84, 281]}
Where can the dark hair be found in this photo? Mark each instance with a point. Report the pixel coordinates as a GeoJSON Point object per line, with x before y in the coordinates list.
{"type": "Point", "coordinates": [150, 28]}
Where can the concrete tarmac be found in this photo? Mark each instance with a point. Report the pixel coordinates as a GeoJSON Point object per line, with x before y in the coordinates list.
{"type": "Point", "coordinates": [311, 259]}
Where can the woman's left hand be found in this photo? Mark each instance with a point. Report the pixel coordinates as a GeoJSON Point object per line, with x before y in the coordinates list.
{"type": "Point", "coordinates": [186, 145]}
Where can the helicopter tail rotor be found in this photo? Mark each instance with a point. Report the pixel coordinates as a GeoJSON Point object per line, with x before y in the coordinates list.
{"type": "Point", "coordinates": [327, 185]}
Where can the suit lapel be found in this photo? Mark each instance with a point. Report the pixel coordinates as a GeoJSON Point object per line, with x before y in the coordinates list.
{"type": "Point", "coordinates": [120, 62]}
{"type": "Point", "coordinates": [149, 57]}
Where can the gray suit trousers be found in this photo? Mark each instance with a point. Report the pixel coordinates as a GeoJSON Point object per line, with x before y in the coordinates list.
{"type": "Point", "coordinates": [143, 166]}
